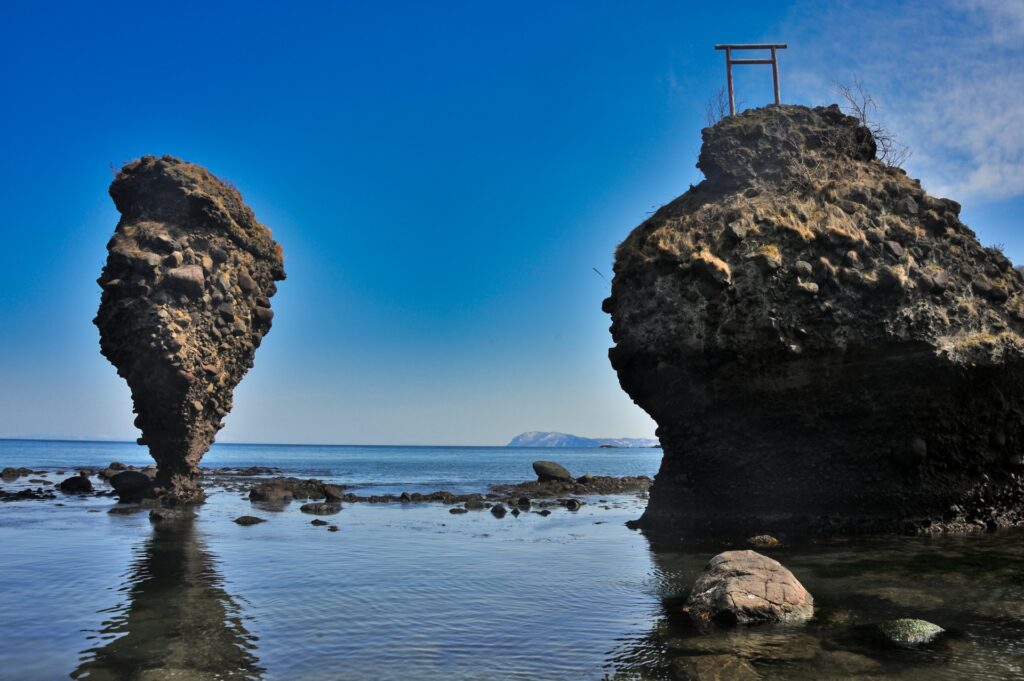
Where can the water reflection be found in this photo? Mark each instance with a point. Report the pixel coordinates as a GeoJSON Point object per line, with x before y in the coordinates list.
{"type": "Point", "coordinates": [178, 621]}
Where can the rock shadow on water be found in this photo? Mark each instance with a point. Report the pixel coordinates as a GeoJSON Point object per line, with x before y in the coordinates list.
{"type": "Point", "coordinates": [177, 622]}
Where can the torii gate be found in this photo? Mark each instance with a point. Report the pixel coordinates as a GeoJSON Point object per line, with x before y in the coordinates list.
{"type": "Point", "coordinates": [729, 61]}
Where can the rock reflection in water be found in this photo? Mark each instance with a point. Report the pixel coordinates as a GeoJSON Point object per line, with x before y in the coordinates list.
{"type": "Point", "coordinates": [178, 622]}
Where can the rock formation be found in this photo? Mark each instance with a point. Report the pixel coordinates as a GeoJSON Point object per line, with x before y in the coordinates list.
{"type": "Point", "coordinates": [825, 347]}
{"type": "Point", "coordinates": [186, 302]}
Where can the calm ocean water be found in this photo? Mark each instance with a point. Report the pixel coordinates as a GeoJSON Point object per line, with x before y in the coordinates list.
{"type": "Point", "coordinates": [383, 469]}
{"type": "Point", "coordinates": [411, 592]}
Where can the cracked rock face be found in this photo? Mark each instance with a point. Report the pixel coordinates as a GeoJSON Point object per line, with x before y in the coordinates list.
{"type": "Point", "coordinates": [185, 304]}
{"type": "Point", "coordinates": [744, 587]}
{"type": "Point", "coordinates": [824, 346]}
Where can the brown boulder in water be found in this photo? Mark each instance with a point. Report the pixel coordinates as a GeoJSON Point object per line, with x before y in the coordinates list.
{"type": "Point", "coordinates": [824, 346]}
{"type": "Point", "coordinates": [185, 304]}
{"type": "Point", "coordinates": [744, 587]}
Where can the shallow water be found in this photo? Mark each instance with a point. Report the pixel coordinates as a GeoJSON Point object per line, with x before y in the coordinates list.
{"type": "Point", "coordinates": [413, 592]}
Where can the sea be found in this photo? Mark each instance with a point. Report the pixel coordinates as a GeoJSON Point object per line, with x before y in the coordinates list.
{"type": "Point", "coordinates": [413, 592]}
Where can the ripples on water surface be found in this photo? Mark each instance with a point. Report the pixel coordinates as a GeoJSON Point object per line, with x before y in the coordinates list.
{"type": "Point", "coordinates": [413, 592]}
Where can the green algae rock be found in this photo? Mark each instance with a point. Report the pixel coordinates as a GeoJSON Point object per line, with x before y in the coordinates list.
{"type": "Point", "coordinates": [910, 631]}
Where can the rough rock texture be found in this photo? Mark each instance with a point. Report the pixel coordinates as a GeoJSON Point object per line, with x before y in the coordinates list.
{"type": "Point", "coordinates": [186, 302]}
{"type": "Point", "coordinates": [909, 632]}
{"type": "Point", "coordinates": [825, 347]}
{"type": "Point", "coordinates": [744, 587]}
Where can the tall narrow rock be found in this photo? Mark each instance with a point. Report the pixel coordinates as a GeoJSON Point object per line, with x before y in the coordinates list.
{"type": "Point", "coordinates": [825, 347]}
{"type": "Point", "coordinates": [185, 304]}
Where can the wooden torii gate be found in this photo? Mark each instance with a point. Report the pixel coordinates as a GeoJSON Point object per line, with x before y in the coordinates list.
{"type": "Point", "coordinates": [729, 61]}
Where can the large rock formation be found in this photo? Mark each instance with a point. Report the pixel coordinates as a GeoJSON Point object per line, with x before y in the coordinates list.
{"type": "Point", "coordinates": [186, 302]}
{"type": "Point", "coordinates": [823, 345]}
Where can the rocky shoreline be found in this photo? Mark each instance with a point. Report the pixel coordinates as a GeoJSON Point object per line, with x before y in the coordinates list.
{"type": "Point", "coordinates": [267, 490]}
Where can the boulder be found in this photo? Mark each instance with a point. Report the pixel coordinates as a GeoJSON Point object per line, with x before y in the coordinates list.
{"type": "Point", "coordinates": [78, 484]}
{"type": "Point", "coordinates": [499, 511]}
{"type": "Point", "coordinates": [276, 493]}
{"type": "Point", "coordinates": [549, 470]}
{"type": "Point", "coordinates": [131, 485]}
{"type": "Point", "coordinates": [745, 587]}
{"type": "Point", "coordinates": [762, 385]}
{"type": "Point", "coordinates": [173, 263]}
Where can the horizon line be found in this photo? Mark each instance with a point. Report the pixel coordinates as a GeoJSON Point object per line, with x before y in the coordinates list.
{"type": "Point", "coordinates": [5, 438]}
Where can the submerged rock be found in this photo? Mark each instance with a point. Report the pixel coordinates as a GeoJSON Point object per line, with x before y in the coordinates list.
{"type": "Point", "coordinates": [821, 342]}
{"type": "Point", "coordinates": [715, 668]}
{"type": "Point", "coordinates": [910, 631]}
{"type": "Point", "coordinates": [249, 520]}
{"type": "Point", "coordinates": [321, 508]}
{"type": "Point", "coordinates": [744, 587]}
{"type": "Point", "coordinates": [549, 470]}
{"type": "Point", "coordinates": [185, 304]}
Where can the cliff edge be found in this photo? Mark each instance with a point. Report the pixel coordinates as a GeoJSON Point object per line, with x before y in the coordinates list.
{"type": "Point", "coordinates": [824, 346]}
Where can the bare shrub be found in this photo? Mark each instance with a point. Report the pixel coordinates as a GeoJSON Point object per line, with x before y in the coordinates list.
{"type": "Point", "coordinates": [717, 107]}
{"type": "Point", "coordinates": [862, 106]}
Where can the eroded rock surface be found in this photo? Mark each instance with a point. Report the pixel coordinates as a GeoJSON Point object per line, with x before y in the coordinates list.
{"type": "Point", "coordinates": [825, 347]}
{"type": "Point", "coordinates": [186, 302]}
{"type": "Point", "coordinates": [745, 587]}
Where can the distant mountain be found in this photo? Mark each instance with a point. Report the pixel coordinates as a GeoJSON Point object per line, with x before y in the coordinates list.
{"type": "Point", "coordinates": [540, 439]}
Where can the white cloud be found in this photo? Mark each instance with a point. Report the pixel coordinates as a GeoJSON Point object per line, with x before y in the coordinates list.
{"type": "Point", "coordinates": [948, 77]}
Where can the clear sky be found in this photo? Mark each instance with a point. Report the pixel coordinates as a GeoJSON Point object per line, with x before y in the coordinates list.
{"type": "Point", "coordinates": [443, 176]}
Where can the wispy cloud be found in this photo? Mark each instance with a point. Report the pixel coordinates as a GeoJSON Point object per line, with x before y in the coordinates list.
{"type": "Point", "coordinates": [948, 76]}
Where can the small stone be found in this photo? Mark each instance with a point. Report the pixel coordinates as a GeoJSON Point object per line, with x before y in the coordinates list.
{"type": "Point", "coordinates": [763, 540]}
{"type": "Point", "coordinates": [498, 511]}
{"type": "Point", "coordinates": [895, 248]}
{"type": "Point", "coordinates": [807, 287]}
{"type": "Point", "coordinates": [572, 504]}
{"type": "Point", "coordinates": [245, 282]}
{"type": "Point", "coordinates": [321, 508]}
{"type": "Point", "coordinates": [457, 510]}
{"type": "Point", "coordinates": [317, 522]}
{"type": "Point", "coordinates": [803, 269]}
{"type": "Point", "coordinates": [188, 279]}
{"type": "Point", "coordinates": [332, 528]}
{"type": "Point", "coordinates": [249, 520]}
{"type": "Point", "coordinates": [909, 632]}
{"type": "Point", "coordinates": [474, 505]}
{"type": "Point", "coordinates": [523, 503]}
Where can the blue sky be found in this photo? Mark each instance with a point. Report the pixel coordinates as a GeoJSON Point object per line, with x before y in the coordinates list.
{"type": "Point", "coordinates": [443, 178]}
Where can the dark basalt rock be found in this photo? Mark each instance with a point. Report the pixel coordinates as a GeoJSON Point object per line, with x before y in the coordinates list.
{"type": "Point", "coordinates": [825, 347]}
{"type": "Point", "coordinates": [186, 291]}
{"type": "Point", "coordinates": [131, 485]}
{"type": "Point", "coordinates": [78, 484]}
